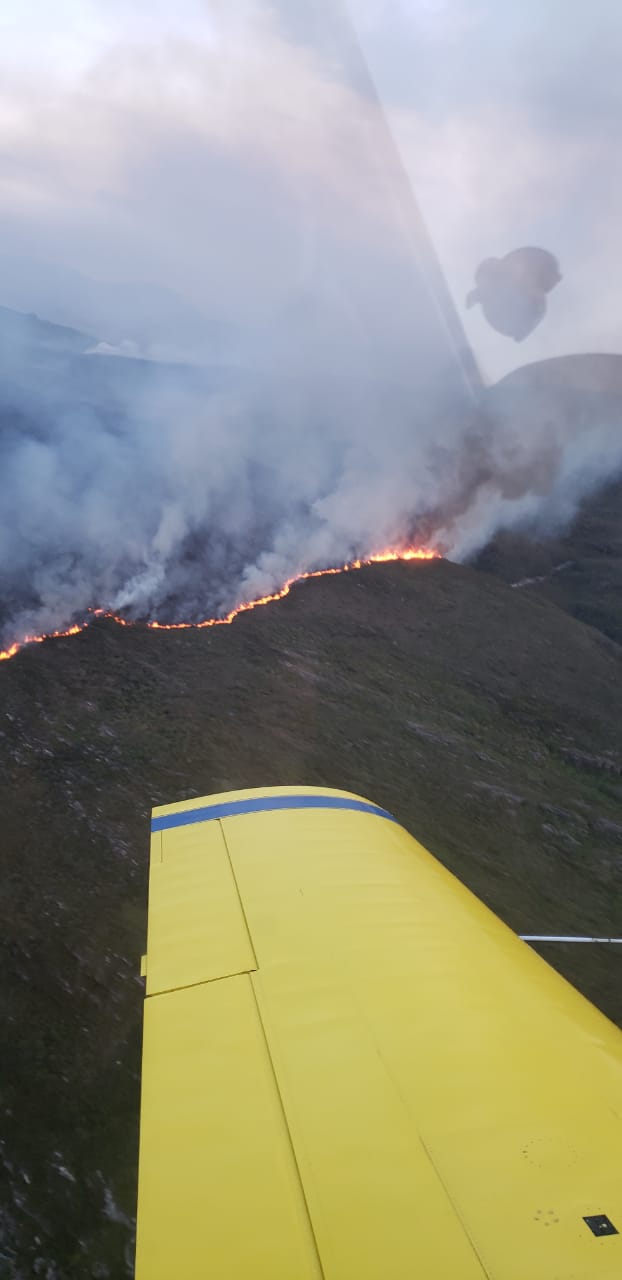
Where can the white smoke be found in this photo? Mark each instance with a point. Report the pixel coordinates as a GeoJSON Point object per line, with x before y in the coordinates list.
{"type": "Point", "coordinates": [329, 406]}
{"type": "Point", "coordinates": [183, 502]}
{"type": "Point", "coordinates": [126, 347]}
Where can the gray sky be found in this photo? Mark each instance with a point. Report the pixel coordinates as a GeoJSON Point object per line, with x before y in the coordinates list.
{"type": "Point", "coordinates": [507, 118]}
{"type": "Point", "coordinates": [230, 149]}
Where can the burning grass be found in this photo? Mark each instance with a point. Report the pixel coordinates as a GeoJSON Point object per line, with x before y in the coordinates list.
{"type": "Point", "coordinates": [380, 557]}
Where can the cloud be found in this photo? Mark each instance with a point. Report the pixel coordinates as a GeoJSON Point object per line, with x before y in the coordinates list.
{"type": "Point", "coordinates": [141, 151]}
{"type": "Point", "coordinates": [433, 21]}
{"type": "Point", "coordinates": [238, 90]}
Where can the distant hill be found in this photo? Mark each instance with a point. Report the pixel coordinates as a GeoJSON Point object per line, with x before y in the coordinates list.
{"type": "Point", "coordinates": [595, 371]}
{"type": "Point", "coordinates": [486, 718]}
{"type": "Point", "coordinates": [29, 331]}
{"type": "Point", "coordinates": [48, 368]}
{"type": "Point", "coordinates": [599, 372]}
{"type": "Point", "coordinates": [572, 386]}
{"type": "Point", "coordinates": [157, 319]}
{"type": "Point", "coordinates": [579, 569]}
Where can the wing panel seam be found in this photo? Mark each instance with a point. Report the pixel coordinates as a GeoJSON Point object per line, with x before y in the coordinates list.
{"type": "Point", "coordinates": [239, 897]}
{"type": "Point", "coordinates": [202, 982]}
{"type": "Point", "coordinates": [321, 1272]}
{"type": "Point", "coordinates": [455, 1208]}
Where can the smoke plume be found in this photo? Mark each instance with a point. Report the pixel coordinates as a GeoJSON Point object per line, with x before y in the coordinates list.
{"type": "Point", "coordinates": [282, 381]}
{"type": "Point", "coordinates": [174, 493]}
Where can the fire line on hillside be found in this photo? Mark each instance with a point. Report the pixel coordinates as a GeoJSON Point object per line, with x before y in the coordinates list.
{"type": "Point", "coordinates": [381, 557]}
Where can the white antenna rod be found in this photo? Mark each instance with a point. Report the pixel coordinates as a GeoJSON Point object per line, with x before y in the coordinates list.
{"type": "Point", "coordinates": [554, 937]}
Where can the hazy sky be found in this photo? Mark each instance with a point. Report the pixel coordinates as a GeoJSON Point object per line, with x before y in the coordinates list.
{"type": "Point", "coordinates": [232, 150]}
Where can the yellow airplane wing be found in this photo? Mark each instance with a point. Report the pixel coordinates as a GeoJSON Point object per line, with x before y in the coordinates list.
{"type": "Point", "coordinates": [353, 1070]}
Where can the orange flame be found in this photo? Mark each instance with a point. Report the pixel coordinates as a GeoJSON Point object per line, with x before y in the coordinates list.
{"type": "Point", "coordinates": [48, 635]}
{"type": "Point", "coordinates": [381, 557]}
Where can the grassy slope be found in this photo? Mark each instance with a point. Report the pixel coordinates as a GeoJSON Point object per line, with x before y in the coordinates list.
{"type": "Point", "coordinates": [581, 570]}
{"type": "Point", "coordinates": [485, 718]}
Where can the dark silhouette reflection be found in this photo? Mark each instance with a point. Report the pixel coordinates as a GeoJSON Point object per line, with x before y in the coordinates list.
{"type": "Point", "coordinates": [512, 290]}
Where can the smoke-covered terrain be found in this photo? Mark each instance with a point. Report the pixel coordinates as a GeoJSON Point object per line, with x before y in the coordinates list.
{"type": "Point", "coordinates": [175, 491]}
{"type": "Point", "coordinates": [261, 247]}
